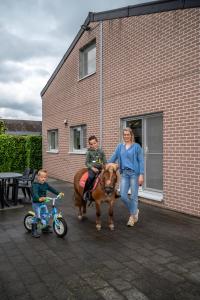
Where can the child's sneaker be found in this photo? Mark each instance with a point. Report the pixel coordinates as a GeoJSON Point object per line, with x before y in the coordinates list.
{"type": "Point", "coordinates": [86, 196]}
{"type": "Point", "coordinates": [34, 231]}
{"type": "Point", "coordinates": [130, 222]}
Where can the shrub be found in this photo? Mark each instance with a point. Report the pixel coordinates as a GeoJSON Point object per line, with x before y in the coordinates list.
{"type": "Point", "coordinates": [19, 152]}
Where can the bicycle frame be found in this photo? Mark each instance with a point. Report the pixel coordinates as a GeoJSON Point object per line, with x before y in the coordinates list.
{"type": "Point", "coordinates": [47, 215]}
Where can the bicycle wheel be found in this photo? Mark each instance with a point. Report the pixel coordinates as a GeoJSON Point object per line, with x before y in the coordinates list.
{"type": "Point", "coordinates": [28, 221]}
{"type": "Point", "coordinates": [60, 227]}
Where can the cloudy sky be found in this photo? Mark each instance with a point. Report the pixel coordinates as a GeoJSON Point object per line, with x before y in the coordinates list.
{"type": "Point", "coordinates": [34, 35]}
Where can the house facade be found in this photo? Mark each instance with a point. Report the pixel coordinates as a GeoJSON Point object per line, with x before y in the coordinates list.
{"type": "Point", "coordinates": [138, 67]}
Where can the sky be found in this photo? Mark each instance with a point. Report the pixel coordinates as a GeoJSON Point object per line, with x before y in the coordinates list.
{"type": "Point", "coordinates": [34, 36]}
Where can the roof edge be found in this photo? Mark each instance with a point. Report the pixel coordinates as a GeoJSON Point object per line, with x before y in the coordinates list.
{"type": "Point", "coordinates": [128, 11]}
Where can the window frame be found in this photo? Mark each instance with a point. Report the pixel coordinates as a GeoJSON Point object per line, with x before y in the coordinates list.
{"type": "Point", "coordinates": [49, 140]}
{"type": "Point", "coordinates": [83, 60]}
{"type": "Point", "coordinates": [83, 139]}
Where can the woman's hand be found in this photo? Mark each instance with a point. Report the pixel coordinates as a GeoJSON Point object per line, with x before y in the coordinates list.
{"type": "Point", "coordinates": [141, 180]}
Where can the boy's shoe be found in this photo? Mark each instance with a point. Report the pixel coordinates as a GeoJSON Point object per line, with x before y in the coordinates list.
{"type": "Point", "coordinates": [34, 232]}
{"type": "Point", "coordinates": [130, 222]}
{"type": "Point", "coordinates": [86, 196]}
{"type": "Point", "coordinates": [136, 216]}
{"type": "Point", "coordinates": [47, 229]}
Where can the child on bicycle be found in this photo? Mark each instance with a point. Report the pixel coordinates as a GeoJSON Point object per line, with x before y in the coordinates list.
{"type": "Point", "coordinates": [95, 159]}
{"type": "Point", "coordinates": [39, 193]}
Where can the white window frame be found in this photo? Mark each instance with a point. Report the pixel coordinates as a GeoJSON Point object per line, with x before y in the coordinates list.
{"type": "Point", "coordinates": [52, 133]}
{"type": "Point", "coordinates": [83, 139]}
{"type": "Point", "coordinates": [84, 60]}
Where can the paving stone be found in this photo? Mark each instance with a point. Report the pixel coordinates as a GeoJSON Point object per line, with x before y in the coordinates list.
{"type": "Point", "coordinates": [194, 276]}
{"type": "Point", "coordinates": [120, 284]}
{"type": "Point", "coordinates": [109, 293]}
{"type": "Point", "coordinates": [135, 294]}
{"type": "Point", "coordinates": [163, 252]}
{"type": "Point", "coordinates": [171, 276]}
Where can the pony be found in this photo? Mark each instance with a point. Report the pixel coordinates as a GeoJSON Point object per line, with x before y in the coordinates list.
{"type": "Point", "coordinates": [104, 191]}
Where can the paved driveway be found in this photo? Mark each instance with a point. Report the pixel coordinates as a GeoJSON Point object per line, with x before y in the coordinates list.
{"type": "Point", "coordinates": [159, 258]}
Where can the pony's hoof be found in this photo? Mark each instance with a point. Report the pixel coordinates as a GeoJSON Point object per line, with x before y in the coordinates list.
{"type": "Point", "coordinates": [98, 227]}
{"type": "Point", "coordinates": [80, 217]}
{"type": "Point", "coordinates": [111, 226]}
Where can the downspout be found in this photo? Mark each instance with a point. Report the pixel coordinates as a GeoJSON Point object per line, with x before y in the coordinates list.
{"type": "Point", "coordinates": [101, 80]}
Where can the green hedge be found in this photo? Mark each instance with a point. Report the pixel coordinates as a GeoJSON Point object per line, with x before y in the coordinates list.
{"type": "Point", "coordinates": [19, 152]}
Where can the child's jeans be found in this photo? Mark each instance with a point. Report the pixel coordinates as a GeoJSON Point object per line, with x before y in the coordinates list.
{"type": "Point", "coordinates": [39, 211]}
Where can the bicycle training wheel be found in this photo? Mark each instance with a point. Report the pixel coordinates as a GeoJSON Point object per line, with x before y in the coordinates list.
{"type": "Point", "coordinates": [28, 221]}
{"type": "Point", "coordinates": [60, 227]}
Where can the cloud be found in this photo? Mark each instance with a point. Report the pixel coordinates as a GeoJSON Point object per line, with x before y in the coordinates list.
{"type": "Point", "coordinates": [35, 34]}
{"type": "Point", "coordinates": [17, 72]}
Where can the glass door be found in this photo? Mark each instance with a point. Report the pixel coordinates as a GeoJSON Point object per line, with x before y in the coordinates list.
{"type": "Point", "coordinates": [148, 131]}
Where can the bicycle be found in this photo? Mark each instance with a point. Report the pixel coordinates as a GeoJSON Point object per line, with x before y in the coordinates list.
{"type": "Point", "coordinates": [59, 224]}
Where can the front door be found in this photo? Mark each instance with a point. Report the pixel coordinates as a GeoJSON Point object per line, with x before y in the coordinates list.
{"type": "Point", "coordinates": [148, 131]}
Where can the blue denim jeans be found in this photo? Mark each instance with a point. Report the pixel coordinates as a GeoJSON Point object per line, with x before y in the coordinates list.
{"type": "Point", "coordinates": [38, 211]}
{"type": "Point", "coordinates": [129, 180]}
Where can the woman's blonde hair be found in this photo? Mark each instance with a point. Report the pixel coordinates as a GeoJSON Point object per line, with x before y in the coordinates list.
{"type": "Point", "coordinates": [131, 133]}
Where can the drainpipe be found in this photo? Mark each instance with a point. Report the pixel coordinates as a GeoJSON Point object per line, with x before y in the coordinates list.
{"type": "Point", "coordinates": [101, 80]}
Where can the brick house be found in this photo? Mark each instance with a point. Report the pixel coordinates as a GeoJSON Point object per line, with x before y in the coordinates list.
{"type": "Point", "coordinates": [136, 66]}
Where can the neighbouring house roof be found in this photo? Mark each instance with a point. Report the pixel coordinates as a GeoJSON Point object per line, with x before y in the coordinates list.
{"type": "Point", "coordinates": [128, 11]}
{"type": "Point", "coordinates": [23, 127]}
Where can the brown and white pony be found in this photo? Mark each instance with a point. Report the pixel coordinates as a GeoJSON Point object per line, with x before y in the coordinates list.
{"type": "Point", "coordinates": [105, 191]}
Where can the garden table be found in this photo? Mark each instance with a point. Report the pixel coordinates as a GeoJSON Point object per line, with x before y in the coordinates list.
{"type": "Point", "coordinates": [4, 176]}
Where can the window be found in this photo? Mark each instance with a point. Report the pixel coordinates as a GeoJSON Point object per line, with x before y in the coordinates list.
{"type": "Point", "coordinates": [78, 138]}
{"type": "Point", "coordinates": [87, 57]}
{"type": "Point", "coordinates": [52, 136]}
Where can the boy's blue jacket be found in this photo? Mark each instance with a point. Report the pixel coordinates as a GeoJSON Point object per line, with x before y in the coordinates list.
{"type": "Point", "coordinates": [131, 158]}
{"type": "Point", "coordinates": [40, 190]}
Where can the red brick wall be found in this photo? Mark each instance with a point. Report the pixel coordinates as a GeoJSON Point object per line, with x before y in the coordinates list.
{"type": "Point", "coordinates": [150, 64]}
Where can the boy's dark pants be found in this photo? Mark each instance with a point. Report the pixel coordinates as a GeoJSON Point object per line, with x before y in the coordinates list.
{"type": "Point", "coordinates": [90, 181]}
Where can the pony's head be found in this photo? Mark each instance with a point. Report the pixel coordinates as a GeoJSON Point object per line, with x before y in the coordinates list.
{"type": "Point", "coordinates": [109, 178]}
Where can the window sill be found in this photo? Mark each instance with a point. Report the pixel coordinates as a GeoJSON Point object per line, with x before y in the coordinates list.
{"type": "Point", "coordinates": [52, 151]}
{"type": "Point", "coordinates": [78, 152]}
{"type": "Point", "coordinates": [150, 195]}
{"type": "Point", "coordinates": [86, 76]}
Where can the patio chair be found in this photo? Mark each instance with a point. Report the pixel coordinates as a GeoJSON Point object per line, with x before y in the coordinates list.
{"type": "Point", "coordinates": [25, 185]}
{"type": "Point", "coordinates": [23, 179]}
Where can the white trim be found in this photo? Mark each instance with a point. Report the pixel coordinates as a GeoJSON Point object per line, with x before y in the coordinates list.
{"type": "Point", "coordinates": [78, 152]}
{"type": "Point", "coordinates": [52, 151]}
{"type": "Point", "coordinates": [79, 79]}
{"type": "Point", "coordinates": [150, 195]}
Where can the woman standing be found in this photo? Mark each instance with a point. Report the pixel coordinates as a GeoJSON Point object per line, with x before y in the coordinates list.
{"type": "Point", "coordinates": [131, 164]}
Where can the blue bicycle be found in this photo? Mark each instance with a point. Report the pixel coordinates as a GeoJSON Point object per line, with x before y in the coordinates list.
{"type": "Point", "coordinates": [59, 224]}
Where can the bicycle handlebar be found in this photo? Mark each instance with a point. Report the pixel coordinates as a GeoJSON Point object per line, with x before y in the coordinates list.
{"type": "Point", "coordinates": [48, 199]}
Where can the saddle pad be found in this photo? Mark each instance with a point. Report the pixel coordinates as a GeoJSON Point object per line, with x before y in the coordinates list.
{"type": "Point", "coordinates": [84, 178]}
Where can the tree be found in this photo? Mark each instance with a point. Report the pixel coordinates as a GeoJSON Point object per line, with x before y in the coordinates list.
{"type": "Point", "coordinates": [3, 127]}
